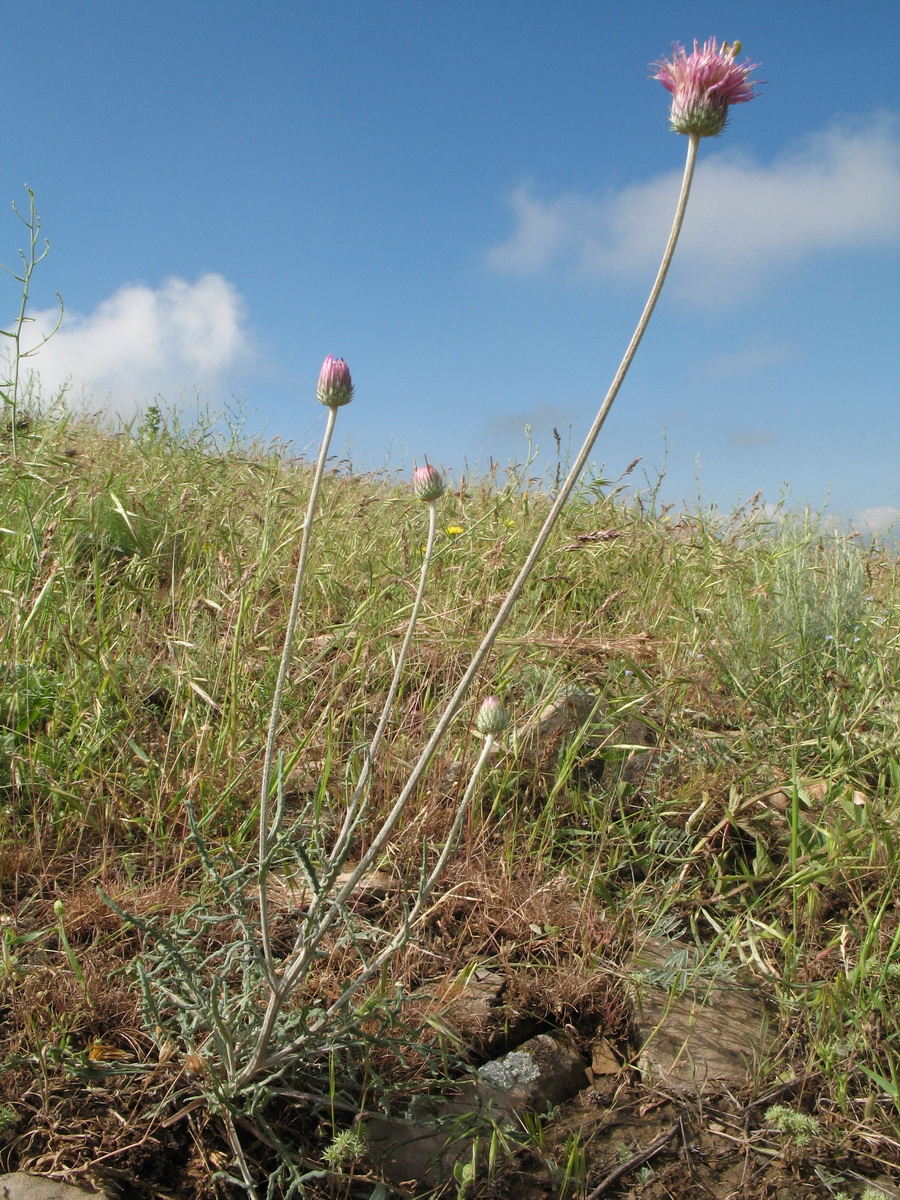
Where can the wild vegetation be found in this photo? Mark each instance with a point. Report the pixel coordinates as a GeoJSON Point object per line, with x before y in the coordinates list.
{"type": "Point", "coordinates": [283, 864]}
{"type": "Point", "coordinates": [145, 581]}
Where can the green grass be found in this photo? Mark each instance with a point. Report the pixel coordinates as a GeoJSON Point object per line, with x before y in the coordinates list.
{"type": "Point", "coordinates": [145, 578]}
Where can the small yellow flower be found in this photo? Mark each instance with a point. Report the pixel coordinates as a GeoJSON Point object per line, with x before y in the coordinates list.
{"type": "Point", "coordinates": [101, 1052]}
{"type": "Point", "coordinates": [453, 530]}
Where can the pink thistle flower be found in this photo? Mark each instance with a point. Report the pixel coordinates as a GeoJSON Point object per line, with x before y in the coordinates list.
{"type": "Point", "coordinates": [334, 388]}
{"type": "Point", "coordinates": [428, 483]}
{"type": "Point", "coordinates": [703, 85]}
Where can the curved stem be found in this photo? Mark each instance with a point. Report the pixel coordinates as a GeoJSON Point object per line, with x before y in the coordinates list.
{"type": "Point", "coordinates": [424, 891]}
{"type": "Point", "coordinates": [281, 989]}
{"type": "Point", "coordinates": [300, 965]}
{"type": "Point", "coordinates": [456, 700]}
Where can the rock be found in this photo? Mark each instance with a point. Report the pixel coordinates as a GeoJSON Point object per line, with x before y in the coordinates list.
{"type": "Point", "coordinates": [291, 892]}
{"type": "Point", "coordinates": [542, 1072]}
{"type": "Point", "coordinates": [820, 790]}
{"type": "Point", "coordinates": [471, 999]}
{"type": "Point", "coordinates": [19, 1185]}
{"type": "Point", "coordinates": [418, 1156]}
{"type": "Point", "coordinates": [604, 1060]}
{"type": "Point", "coordinates": [697, 1030]}
{"type": "Point", "coordinates": [575, 713]}
{"type": "Point", "coordinates": [422, 1153]}
{"type": "Point", "coordinates": [636, 766]}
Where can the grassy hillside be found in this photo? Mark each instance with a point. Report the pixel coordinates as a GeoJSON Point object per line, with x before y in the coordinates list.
{"type": "Point", "coordinates": [145, 580]}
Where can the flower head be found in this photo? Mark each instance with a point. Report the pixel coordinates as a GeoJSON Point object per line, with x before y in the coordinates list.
{"type": "Point", "coordinates": [428, 483]}
{"type": "Point", "coordinates": [703, 85]}
{"type": "Point", "coordinates": [492, 716]}
{"type": "Point", "coordinates": [334, 388]}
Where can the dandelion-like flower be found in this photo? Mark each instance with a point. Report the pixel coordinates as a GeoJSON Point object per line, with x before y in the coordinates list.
{"type": "Point", "coordinates": [704, 84]}
{"type": "Point", "coordinates": [492, 716]}
{"type": "Point", "coordinates": [334, 388]}
{"type": "Point", "coordinates": [428, 483]}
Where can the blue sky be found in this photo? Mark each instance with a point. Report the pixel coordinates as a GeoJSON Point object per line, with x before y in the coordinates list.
{"type": "Point", "coordinates": [467, 199]}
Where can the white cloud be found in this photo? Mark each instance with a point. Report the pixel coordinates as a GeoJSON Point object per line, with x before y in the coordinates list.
{"type": "Point", "coordinates": [878, 520]}
{"type": "Point", "coordinates": [143, 342]}
{"type": "Point", "coordinates": [839, 189]}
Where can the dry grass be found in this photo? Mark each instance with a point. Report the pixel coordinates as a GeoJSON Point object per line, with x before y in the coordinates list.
{"type": "Point", "coordinates": [145, 580]}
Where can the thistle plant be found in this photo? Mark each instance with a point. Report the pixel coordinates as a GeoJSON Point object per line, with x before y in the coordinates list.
{"type": "Point", "coordinates": [240, 1001]}
{"type": "Point", "coordinates": [706, 80]}
{"type": "Point", "coordinates": [334, 390]}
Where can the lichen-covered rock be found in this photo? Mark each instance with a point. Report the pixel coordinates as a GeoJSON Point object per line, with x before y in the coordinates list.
{"type": "Point", "coordinates": [421, 1154]}
{"type": "Point", "coordinates": [542, 1072]}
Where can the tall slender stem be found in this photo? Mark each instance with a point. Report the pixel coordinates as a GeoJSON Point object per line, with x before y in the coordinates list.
{"type": "Point", "coordinates": [340, 845]}
{"type": "Point", "coordinates": [284, 1053]}
{"type": "Point", "coordinates": [424, 891]}
{"type": "Point", "coordinates": [268, 759]}
{"type": "Point", "coordinates": [462, 689]}
{"type": "Point", "coordinates": [298, 967]}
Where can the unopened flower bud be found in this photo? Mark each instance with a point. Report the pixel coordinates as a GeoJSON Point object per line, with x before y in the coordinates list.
{"type": "Point", "coordinates": [334, 388]}
{"type": "Point", "coordinates": [492, 716]}
{"type": "Point", "coordinates": [428, 482]}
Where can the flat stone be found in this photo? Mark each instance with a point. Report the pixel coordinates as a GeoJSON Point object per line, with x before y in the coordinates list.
{"type": "Point", "coordinates": [696, 1030]}
{"type": "Point", "coordinates": [604, 1060]}
{"type": "Point", "coordinates": [19, 1185]}
{"type": "Point", "coordinates": [542, 1072]}
{"type": "Point", "coordinates": [637, 764]}
{"type": "Point", "coordinates": [575, 713]}
{"type": "Point", "coordinates": [471, 999]}
{"type": "Point", "coordinates": [420, 1154]}
{"type": "Point", "coordinates": [290, 891]}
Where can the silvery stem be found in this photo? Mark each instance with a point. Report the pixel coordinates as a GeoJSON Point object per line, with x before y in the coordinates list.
{"type": "Point", "coordinates": [298, 968]}
{"type": "Point", "coordinates": [372, 749]}
{"type": "Point", "coordinates": [266, 786]}
{"type": "Point", "coordinates": [456, 700]}
{"type": "Point", "coordinates": [285, 1053]}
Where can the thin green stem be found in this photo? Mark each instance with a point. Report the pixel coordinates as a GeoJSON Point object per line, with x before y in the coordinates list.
{"type": "Point", "coordinates": [10, 396]}
{"type": "Point", "coordinates": [70, 953]}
